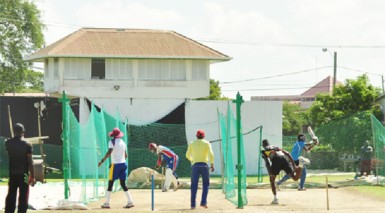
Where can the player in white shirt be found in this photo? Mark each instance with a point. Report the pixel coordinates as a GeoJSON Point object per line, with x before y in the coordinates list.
{"type": "Point", "coordinates": [118, 169]}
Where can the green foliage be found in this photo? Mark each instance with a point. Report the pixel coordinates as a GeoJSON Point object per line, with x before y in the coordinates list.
{"type": "Point", "coordinates": [33, 80]}
{"type": "Point", "coordinates": [20, 34]}
{"type": "Point", "coordinates": [292, 119]}
{"type": "Point", "coordinates": [343, 118]}
{"type": "Point", "coordinates": [355, 96]}
{"type": "Point", "coordinates": [215, 92]}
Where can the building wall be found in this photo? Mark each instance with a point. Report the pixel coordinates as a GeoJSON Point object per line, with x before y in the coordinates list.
{"type": "Point", "coordinates": [128, 78]}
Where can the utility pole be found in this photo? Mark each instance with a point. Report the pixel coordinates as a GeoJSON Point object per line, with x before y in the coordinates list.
{"type": "Point", "coordinates": [335, 70]}
{"type": "Point", "coordinates": [334, 66]}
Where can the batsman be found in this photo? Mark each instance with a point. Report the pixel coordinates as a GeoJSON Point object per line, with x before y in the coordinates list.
{"type": "Point", "coordinates": [171, 160]}
{"type": "Point", "coordinates": [296, 152]}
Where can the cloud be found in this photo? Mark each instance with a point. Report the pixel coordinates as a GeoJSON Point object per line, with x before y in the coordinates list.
{"type": "Point", "coordinates": [116, 13]}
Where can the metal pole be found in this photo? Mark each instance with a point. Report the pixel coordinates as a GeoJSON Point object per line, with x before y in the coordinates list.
{"type": "Point", "coordinates": [335, 70]}
{"type": "Point", "coordinates": [64, 101]}
{"type": "Point", "coordinates": [327, 193]}
{"type": "Point", "coordinates": [372, 120]}
{"type": "Point", "coordinates": [260, 178]}
{"type": "Point", "coordinates": [39, 130]}
{"type": "Point", "coordinates": [152, 192]}
{"type": "Point", "coordinates": [220, 151]}
{"type": "Point", "coordinates": [238, 102]}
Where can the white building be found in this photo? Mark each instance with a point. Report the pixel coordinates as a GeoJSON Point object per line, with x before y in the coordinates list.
{"type": "Point", "coordinates": [127, 63]}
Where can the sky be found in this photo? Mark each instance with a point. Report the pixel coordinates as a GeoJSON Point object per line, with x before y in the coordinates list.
{"type": "Point", "coordinates": [276, 46]}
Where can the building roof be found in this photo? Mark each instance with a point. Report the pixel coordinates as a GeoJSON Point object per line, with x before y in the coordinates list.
{"type": "Point", "coordinates": [291, 98]}
{"type": "Point", "coordinates": [324, 86]}
{"type": "Point", "coordinates": [37, 94]}
{"type": "Point", "coordinates": [127, 43]}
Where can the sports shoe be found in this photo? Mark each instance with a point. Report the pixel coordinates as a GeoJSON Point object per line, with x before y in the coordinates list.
{"type": "Point", "coordinates": [106, 206]}
{"type": "Point", "coordinates": [275, 201]}
{"type": "Point", "coordinates": [303, 161]}
{"type": "Point", "coordinates": [164, 190]}
{"type": "Point", "coordinates": [128, 205]}
{"type": "Point", "coordinates": [301, 189]}
{"type": "Point", "coordinates": [204, 206]}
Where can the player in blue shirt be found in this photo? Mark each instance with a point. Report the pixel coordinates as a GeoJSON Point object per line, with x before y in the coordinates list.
{"type": "Point", "coordinates": [296, 151]}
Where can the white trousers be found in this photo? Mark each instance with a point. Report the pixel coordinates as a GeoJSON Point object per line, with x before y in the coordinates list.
{"type": "Point", "coordinates": [169, 178]}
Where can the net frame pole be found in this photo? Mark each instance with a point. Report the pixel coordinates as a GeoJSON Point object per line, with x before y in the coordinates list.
{"type": "Point", "coordinates": [327, 193]}
{"type": "Point", "coordinates": [220, 151]}
{"type": "Point", "coordinates": [64, 101]}
{"type": "Point", "coordinates": [373, 119]}
{"type": "Point", "coordinates": [260, 178]}
{"type": "Point", "coordinates": [152, 192]}
{"type": "Point", "coordinates": [238, 103]}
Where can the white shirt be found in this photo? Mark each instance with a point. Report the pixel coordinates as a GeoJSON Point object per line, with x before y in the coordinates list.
{"type": "Point", "coordinates": [118, 151]}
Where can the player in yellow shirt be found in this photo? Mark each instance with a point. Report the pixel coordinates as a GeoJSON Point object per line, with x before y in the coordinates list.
{"type": "Point", "coordinates": [200, 153]}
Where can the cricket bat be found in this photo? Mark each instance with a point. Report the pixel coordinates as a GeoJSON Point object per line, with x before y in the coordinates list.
{"type": "Point", "coordinates": [313, 136]}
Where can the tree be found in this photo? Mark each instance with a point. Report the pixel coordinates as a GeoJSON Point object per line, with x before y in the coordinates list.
{"type": "Point", "coordinates": [292, 119]}
{"type": "Point", "coordinates": [355, 96]}
{"type": "Point", "coordinates": [20, 34]}
{"type": "Point", "coordinates": [34, 81]}
{"type": "Point", "coordinates": [343, 118]}
{"type": "Point", "coordinates": [215, 92]}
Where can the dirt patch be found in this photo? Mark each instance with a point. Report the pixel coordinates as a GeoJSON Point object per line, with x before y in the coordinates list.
{"type": "Point", "coordinates": [291, 200]}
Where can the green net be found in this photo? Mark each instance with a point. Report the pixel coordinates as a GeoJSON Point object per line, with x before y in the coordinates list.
{"type": "Point", "coordinates": [83, 147]}
{"type": "Point", "coordinates": [379, 146]}
{"type": "Point", "coordinates": [228, 144]}
{"type": "Point", "coordinates": [341, 141]}
{"type": "Point", "coordinates": [172, 136]}
{"type": "Point", "coordinates": [3, 159]}
{"type": "Point", "coordinates": [85, 144]}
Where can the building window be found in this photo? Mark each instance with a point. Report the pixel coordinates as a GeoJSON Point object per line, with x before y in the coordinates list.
{"type": "Point", "coordinates": [98, 68]}
{"type": "Point", "coordinates": [119, 69]}
{"type": "Point", "coordinates": [46, 68]}
{"type": "Point", "coordinates": [162, 70]}
{"type": "Point", "coordinates": [199, 70]}
{"type": "Point", "coordinates": [56, 68]}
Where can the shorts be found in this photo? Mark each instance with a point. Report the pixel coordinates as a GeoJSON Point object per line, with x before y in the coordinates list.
{"type": "Point", "coordinates": [280, 163]}
{"type": "Point", "coordinates": [118, 171]}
